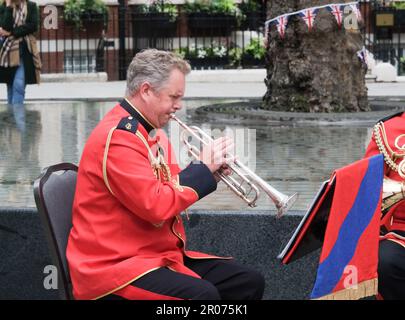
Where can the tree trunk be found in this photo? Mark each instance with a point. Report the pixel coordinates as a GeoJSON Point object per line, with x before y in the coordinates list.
{"type": "Point", "coordinates": [318, 70]}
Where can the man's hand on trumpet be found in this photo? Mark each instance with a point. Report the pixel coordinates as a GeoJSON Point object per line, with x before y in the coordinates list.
{"type": "Point", "coordinates": [217, 155]}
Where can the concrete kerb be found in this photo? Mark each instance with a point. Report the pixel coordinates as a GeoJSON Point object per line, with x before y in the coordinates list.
{"type": "Point", "coordinates": [250, 110]}
{"type": "Point", "coordinates": [201, 84]}
{"type": "Point", "coordinates": [74, 77]}
{"type": "Point", "coordinates": [203, 76]}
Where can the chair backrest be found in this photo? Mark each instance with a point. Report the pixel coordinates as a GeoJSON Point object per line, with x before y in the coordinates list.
{"type": "Point", "coordinates": [54, 192]}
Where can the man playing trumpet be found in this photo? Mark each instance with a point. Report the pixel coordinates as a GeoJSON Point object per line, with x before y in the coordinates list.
{"type": "Point", "coordinates": [389, 139]}
{"type": "Point", "coordinates": [128, 239]}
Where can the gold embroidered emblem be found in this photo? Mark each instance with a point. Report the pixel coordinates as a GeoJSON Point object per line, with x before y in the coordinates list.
{"type": "Point", "coordinates": [128, 126]}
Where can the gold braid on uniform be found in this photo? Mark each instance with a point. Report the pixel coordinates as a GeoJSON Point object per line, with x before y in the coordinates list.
{"type": "Point", "coordinates": [167, 175]}
{"type": "Point", "coordinates": [390, 156]}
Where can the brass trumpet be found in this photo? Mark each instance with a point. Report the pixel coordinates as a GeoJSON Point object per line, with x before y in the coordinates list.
{"type": "Point", "coordinates": [250, 195]}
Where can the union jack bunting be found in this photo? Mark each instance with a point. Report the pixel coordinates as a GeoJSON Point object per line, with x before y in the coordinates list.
{"type": "Point", "coordinates": [336, 10]}
{"type": "Point", "coordinates": [309, 16]}
{"type": "Point", "coordinates": [362, 54]}
{"type": "Point", "coordinates": [282, 25]}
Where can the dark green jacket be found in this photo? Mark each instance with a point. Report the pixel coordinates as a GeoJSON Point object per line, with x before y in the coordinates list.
{"type": "Point", "coordinates": [30, 26]}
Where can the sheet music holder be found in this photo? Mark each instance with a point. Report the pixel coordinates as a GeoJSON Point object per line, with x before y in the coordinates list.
{"type": "Point", "coordinates": [310, 233]}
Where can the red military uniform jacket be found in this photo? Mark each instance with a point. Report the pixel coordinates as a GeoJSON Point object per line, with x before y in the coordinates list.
{"type": "Point", "coordinates": [126, 211]}
{"type": "Point", "coordinates": [394, 126]}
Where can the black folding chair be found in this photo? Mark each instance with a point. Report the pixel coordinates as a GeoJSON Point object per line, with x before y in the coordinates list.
{"type": "Point", "coordinates": [54, 192]}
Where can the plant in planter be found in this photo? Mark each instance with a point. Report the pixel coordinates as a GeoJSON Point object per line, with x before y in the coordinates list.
{"type": "Point", "coordinates": [218, 56]}
{"type": "Point", "coordinates": [254, 54]}
{"type": "Point", "coordinates": [212, 17]}
{"type": "Point", "coordinates": [235, 56]}
{"type": "Point", "coordinates": [159, 18]}
{"type": "Point", "coordinates": [159, 7]}
{"type": "Point", "coordinates": [213, 57]}
{"type": "Point", "coordinates": [78, 12]}
{"type": "Point", "coordinates": [196, 55]}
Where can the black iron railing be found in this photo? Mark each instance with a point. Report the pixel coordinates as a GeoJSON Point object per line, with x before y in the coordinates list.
{"type": "Point", "coordinates": [207, 41]}
{"type": "Point", "coordinates": [382, 31]}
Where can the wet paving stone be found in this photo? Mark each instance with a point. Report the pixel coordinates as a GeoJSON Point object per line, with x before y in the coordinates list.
{"type": "Point", "coordinates": [292, 156]}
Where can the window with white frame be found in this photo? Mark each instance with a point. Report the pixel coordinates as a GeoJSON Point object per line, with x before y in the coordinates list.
{"type": "Point", "coordinates": [79, 62]}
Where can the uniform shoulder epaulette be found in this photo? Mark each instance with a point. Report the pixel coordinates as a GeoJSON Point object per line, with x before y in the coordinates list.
{"type": "Point", "coordinates": [391, 116]}
{"type": "Point", "coordinates": [128, 124]}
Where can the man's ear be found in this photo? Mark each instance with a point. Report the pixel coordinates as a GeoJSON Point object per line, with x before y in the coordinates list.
{"type": "Point", "coordinates": [145, 90]}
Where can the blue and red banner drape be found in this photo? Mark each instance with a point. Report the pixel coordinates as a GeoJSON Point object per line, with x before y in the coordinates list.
{"type": "Point", "coordinates": [349, 257]}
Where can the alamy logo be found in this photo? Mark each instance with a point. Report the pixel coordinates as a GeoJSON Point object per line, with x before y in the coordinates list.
{"type": "Point", "coordinates": [351, 279]}
{"type": "Point", "coordinates": [51, 278]}
{"type": "Point", "coordinates": [51, 19]}
{"type": "Point", "coordinates": [350, 22]}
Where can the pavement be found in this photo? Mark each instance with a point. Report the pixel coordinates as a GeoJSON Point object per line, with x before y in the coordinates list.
{"type": "Point", "coordinates": [200, 84]}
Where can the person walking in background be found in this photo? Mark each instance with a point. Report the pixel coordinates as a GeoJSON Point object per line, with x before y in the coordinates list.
{"type": "Point", "coordinates": [20, 62]}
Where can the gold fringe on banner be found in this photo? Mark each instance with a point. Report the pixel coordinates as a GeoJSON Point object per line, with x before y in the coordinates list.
{"type": "Point", "coordinates": [365, 289]}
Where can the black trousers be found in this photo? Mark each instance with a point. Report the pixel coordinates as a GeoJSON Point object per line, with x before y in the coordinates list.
{"type": "Point", "coordinates": [220, 280]}
{"type": "Point", "coordinates": [391, 269]}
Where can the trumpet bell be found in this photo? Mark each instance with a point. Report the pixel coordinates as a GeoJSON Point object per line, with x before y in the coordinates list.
{"type": "Point", "coordinates": [281, 201]}
{"type": "Point", "coordinates": [285, 204]}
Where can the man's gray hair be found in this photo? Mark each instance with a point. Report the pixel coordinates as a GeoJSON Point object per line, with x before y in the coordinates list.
{"type": "Point", "coordinates": [153, 66]}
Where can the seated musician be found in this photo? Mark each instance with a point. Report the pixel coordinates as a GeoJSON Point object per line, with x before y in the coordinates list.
{"type": "Point", "coordinates": [128, 239]}
{"type": "Point", "coordinates": [389, 139]}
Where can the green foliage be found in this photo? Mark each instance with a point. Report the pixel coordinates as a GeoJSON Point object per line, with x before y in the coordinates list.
{"type": "Point", "coordinates": [73, 12]}
{"type": "Point", "coordinates": [160, 6]}
{"type": "Point", "coordinates": [76, 11]}
{"type": "Point", "coordinates": [256, 49]}
{"type": "Point", "coordinates": [235, 55]}
{"type": "Point", "coordinates": [197, 6]}
{"type": "Point", "coordinates": [399, 5]}
{"type": "Point", "coordinates": [227, 7]}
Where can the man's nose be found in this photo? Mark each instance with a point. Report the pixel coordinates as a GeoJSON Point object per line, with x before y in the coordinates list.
{"type": "Point", "coordinates": [178, 105]}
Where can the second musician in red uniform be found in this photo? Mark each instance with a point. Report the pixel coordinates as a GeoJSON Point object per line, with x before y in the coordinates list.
{"type": "Point", "coordinates": [389, 139]}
